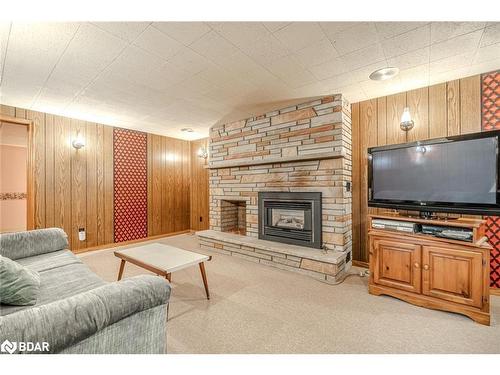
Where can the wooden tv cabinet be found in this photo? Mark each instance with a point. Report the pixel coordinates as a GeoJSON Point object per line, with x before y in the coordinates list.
{"type": "Point", "coordinates": [427, 271]}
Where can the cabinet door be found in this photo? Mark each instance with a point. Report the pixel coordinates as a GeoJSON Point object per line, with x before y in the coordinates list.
{"type": "Point", "coordinates": [453, 275]}
{"type": "Point", "coordinates": [397, 264]}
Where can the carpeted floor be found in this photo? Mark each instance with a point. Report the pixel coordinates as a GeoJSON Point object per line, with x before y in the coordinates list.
{"type": "Point", "coordinates": [259, 309]}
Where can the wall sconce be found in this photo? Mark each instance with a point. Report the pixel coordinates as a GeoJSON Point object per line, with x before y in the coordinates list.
{"type": "Point", "coordinates": [406, 121]}
{"type": "Point", "coordinates": [78, 142]}
{"type": "Point", "coordinates": [203, 153]}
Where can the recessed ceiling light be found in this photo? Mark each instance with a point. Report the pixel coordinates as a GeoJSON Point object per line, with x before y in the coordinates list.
{"type": "Point", "coordinates": [188, 130]}
{"type": "Point", "coordinates": [384, 73]}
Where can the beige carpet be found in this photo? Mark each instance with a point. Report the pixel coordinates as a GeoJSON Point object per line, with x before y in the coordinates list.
{"type": "Point", "coordinates": [259, 309]}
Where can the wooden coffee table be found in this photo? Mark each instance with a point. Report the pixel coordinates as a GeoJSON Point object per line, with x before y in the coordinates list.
{"type": "Point", "coordinates": [163, 260]}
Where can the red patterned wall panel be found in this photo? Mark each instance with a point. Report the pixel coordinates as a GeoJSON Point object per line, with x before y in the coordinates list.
{"type": "Point", "coordinates": [493, 234]}
{"type": "Point", "coordinates": [490, 100]}
{"type": "Point", "coordinates": [490, 110]}
{"type": "Point", "coordinates": [131, 185]}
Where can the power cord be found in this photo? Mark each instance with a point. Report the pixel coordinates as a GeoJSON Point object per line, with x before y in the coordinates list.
{"type": "Point", "coordinates": [362, 273]}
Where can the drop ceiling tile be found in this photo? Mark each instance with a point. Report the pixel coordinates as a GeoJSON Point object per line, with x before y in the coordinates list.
{"type": "Point", "coordinates": [354, 38]}
{"type": "Point", "coordinates": [407, 42]}
{"type": "Point", "coordinates": [449, 75]}
{"type": "Point", "coordinates": [213, 46]}
{"type": "Point", "coordinates": [316, 54]}
{"type": "Point", "coordinates": [184, 32]}
{"type": "Point", "coordinates": [189, 60]}
{"type": "Point", "coordinates": [240, 33]}
{"type": "Point", "coordinates": [364, 57]}
{"type": "Point", "coordinates": [458, 61]}
{"type": "Point", "coordinates": [265, 50]}
{"type": "Point", "coordinates": [451, 47]}
{"type": "Point", "coordinates": [127, 31]}
{"type": "Point", "coordinates": [275, 26]}
{"type": "Point", "coordinates": [491, 35]}
{"type": "Point", "coordinates": [90, 51]}
{"type": "Point", "coordinates": [486, 66]}
{"type": "Point", "coordinates": [34, 49]}
{"type": "Point", "coordinates": [134, 59]}
{"type": "Point", "coordinates": [158, 43]}
{"type": "Point", "coordinates": [329, 68]}
{"type": "Point", "coordinates": [291, 72]}
{"type": "Point", "coordinates": [331, 29]}
{"type": "Point", "coordinates": [441, 31]}
{"type": "Point", "coordinates": [417, 76]}
{"type": "Point", "coordinates": [299, 35]}
{"type": "Point", "coordinates": [389, 30]}
{"type": "Point", "coordinates": [488, 53]}
{"type": "Point", "coordinates": [411, 59]}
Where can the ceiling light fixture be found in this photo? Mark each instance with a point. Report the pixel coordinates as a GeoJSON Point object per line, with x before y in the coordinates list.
{"type": "Point", "coordinates": [187, 130]}
{"type": "Point", "coordinates": [384, 73]}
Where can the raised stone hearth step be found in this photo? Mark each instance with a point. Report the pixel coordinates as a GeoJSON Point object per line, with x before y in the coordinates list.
{"type": "Point", "coordinates": [325, 266]}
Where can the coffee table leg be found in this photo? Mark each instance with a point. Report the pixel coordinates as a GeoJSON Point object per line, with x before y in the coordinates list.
{"type": "Point", "coordinates": [120, 273]}
{"type": "Point", "coordinates": [204, 277]}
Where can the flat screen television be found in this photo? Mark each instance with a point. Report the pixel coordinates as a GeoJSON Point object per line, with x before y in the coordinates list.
{"type": "Point", "coordinates": [453, 174]}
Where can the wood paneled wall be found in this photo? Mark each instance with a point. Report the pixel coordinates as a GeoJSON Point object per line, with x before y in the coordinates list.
{"type": "Point", "coordinates": [169, 185]}
{"type": "Point", "coordinates": [199, 187]}
{"type": "Point", "coordinates": [74, 188]}
{"type": "Point", "coordinates": [449, 108]}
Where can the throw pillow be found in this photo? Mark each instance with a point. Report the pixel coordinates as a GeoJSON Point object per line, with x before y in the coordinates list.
{"type": "Point", "coordinates": [19, 285]}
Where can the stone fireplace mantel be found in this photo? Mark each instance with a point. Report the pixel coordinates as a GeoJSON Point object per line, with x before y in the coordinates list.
{"type": "Point", "coordinates": [239, 163]}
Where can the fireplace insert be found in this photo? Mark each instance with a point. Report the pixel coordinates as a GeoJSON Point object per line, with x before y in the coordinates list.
{"type": "Point", "coordinates": [293, 218]}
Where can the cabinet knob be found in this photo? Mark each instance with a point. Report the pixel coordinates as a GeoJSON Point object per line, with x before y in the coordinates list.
{"type": "Point", "coordinates": [416, 265]}
{"type": "Point", "coordinates": [426, 267]}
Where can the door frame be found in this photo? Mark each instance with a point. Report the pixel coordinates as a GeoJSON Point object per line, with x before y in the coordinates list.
{"type": "Point", "coordinates": [30, 191]}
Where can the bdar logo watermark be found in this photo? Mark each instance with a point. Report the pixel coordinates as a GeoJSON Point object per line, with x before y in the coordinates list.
{"type": "Point", "coordinates": [10, 347]}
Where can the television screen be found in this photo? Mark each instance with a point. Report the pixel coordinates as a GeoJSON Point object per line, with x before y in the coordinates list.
{"type": "Point", "coordinates": [460, 173]}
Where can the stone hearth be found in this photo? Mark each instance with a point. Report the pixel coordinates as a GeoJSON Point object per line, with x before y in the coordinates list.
{"type": "Point", "coordinates": [303, 148]}
{"type": "Point", "coordinates": [324, 266]}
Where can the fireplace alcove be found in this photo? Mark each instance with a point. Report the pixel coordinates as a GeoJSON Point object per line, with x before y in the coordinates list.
{"type": "Point", "coordinates": [292, 218]}
{"type": "Point", "coordinates": [233, 216]}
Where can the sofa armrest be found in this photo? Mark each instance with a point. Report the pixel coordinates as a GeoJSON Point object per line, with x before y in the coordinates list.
{"type": "Point", "coordinates": [34, 242]}
{"type": "Point", "coordinates": [65, 322]}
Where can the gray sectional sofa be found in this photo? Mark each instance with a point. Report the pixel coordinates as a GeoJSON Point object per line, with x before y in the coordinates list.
{"type": "Point", "coordinates": [76, 311]}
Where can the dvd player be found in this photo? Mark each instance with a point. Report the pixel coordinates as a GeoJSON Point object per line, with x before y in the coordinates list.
{"type": "Point", "coordinates": [397, 225]}
{"type": "Point", "coordinates": [448, 232]}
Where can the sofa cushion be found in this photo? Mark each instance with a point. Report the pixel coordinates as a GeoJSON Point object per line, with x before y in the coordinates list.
{"type": "Point", "coordinates": [45, 262]}
{"type": "Point", "coordinates": [62, 275]}
{"type": "Point", "coordinates": [34, 242]}
{"type": "Point", "coordinates": [19, 285]}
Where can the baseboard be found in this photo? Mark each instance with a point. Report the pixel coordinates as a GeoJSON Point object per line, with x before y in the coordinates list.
{"type": "Point", "coordinates": [494, 291]}
{"type": "Point", "coordinates": [358, 263]}
{"type": "Point", "coordinates": [115, 244]}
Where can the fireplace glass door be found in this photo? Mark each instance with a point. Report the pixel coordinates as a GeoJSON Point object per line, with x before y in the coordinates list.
{"type": "Point", "coordinates": [293, 218]}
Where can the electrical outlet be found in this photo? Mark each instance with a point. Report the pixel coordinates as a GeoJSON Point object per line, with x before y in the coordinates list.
{"type": "Point", "coordinates": [81, 234]}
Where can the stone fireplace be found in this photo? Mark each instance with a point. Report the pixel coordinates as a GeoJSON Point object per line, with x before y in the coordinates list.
{"type": "Point", "coordinates": [299, 151]}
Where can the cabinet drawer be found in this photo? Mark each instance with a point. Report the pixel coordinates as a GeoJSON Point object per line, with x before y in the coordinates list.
{"type": "Point", "coordinates": [453, 275]}
{"type": "Point", "coordinates": [396, 264]}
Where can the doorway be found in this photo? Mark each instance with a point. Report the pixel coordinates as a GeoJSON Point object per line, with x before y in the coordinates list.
{"type": "Point", "coordinates": [16, 198]}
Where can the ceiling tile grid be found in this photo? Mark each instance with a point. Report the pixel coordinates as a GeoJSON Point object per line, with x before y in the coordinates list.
{"type": "Point", "coordinates": [165, 76]}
